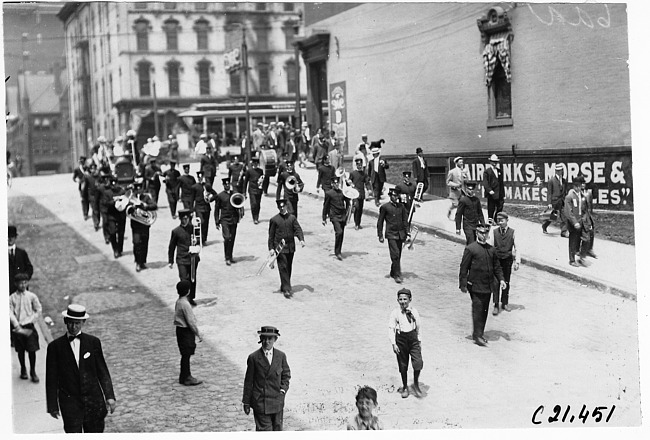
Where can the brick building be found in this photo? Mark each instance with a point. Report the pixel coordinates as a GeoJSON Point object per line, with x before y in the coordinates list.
{"type": "Point", "coordinates": [536, 84]}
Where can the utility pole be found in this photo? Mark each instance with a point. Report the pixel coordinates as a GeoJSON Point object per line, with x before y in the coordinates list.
{"type": "Point", "coordinates": [244, 50]}
{"type": "Point", "coordinates": [155, 110]}
{"type": "Point", "coordinates": [296, 46]}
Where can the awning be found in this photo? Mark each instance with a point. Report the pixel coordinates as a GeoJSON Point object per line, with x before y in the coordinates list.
{"type": "Point", "coordinates": [497, 48]}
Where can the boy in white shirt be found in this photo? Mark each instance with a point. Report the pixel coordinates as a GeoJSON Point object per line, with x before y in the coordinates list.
{"type": "Point", "coordinates": [403, 331]}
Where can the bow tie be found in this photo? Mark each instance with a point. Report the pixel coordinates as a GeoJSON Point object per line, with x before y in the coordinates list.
{"type": "Point", "coordinates": [72, 338]}
{"type": "Point", "coordinates": [409, 315]}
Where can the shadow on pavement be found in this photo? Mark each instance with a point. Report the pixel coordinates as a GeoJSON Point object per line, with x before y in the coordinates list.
{"type": "Point", "coordinates": [495, 335]}
{"type": "Point", "coordinates": [301, 287]}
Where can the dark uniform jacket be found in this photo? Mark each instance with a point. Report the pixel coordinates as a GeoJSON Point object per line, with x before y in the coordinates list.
{"type": "Point", "coordinates": [286, 227]}
{"type": "Point", "coordinates": [107, 203]}
{"type": "Point", "coordinates": [180, 243]}
{"type": "Point", "coordinates": [148, 204]}
{"type": "Point", "coordinates": [198, 198]}
{"type": "Point", "coordinates": [224, 212]}
{"type": "Point", "coordinates": [78, 392]}
{"type": "Point", "coordinates": [325, 174]}
{"type": "Point", "coordinates": [493, 183]}
{"type": "Point", "coordinates": [408, 193]}
{"type": "Point", "coordinates": [335, 206]}
{"type": "Point", "coordinates": [263, 382]}
{"type": "Point", "coordinates": [19, 263]}
{"type": "Point", "coordinates": [360, 179]}
{"type": "Point", "coordinates": [282, 178]}
{"type": "Point", "coordinates": [186, 182]}
{"type": "Point", "coordinates": [478, 268]}
{"type": "Point", "coordinates": [79, 175]}
{"type": "Point", "coordinates": [470, 211]}
{"type": "Point", "coordinates": [236, 173]}
{"type": "Point", "coordinates": [396, 218]}
{"type": "Point", "coordinates": [251, 180]}
{"type": "Point", "coordinates": [172, 179]}
{"type": "Point", "coordinates": [152, 175]}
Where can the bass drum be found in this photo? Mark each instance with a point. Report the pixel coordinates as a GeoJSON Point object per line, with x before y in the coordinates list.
{"type": "Point", "coordinates": [269, 162]}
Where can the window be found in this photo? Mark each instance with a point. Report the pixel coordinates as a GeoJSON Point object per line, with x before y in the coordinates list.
{"type": "Point", "coordinates": [263, 72]}
{"type": "Point", "coordinates": [204, 77]}
{"type": "Point", "coordinates": [288, 7]}
{"type": "Point", "coordinates": [202, 27]}
{"type": "Point", "coordinates": [103, 96]}
{"type": "Point", "coordinates": [39, 39]}
{"type": "Point", "coordinates": [142, 35]}
{"type": "Point", "coordinates": [260, 6]}
{"type": "Point", "coordinates": [101, 53]}
{"type": "Point", "coordinates": [232, 5]}
{"type": "Point", "coordinates": [235, 83]}
{"type": "Point", "coordinates": [108, 43]}
{"type": "Point", "coordinates": [262, 38]}
{"type": "Point", "coordinates": [501, 93]}
{"type": "Point", "coordinates": [171, 30]}
{"type": "Point", "coordinates": [173, 68]}
{"type": "Point", "coordinates": [110, 89]}
{"type": "Point", "coordinates": [289, 29]}
{"type": "Point", "coordinates": [141, 5]}
{"type": "Point", "coordinates": [37, 123]}
{"type": "Point", "coordinates": [200, 6]}
{"type": "Point", "coordinates": [144, 79]}
{"type": "Point", "coordinates": [290, 69]}
{"type": "Point", "coordinates": [169, 5]}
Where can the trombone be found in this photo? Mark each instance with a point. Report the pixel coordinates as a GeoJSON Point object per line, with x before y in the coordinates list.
{"type": "Point", "coordinates": [270, 261]}
{"type": "Point", "coordinates": [195, 246]}
{"type": "Point", "coordinates": [419, 189]}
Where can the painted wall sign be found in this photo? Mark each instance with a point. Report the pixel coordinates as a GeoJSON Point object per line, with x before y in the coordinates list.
{"type": "Point", "coordinates": [339, 114]}
{"type": "Point", "coordinates": [608, 175]}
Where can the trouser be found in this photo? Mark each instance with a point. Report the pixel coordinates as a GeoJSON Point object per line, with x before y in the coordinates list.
{"type": "Point", "coordinates": [104, 216]}
{"type": "Point", "coordinates": [470, 234]}
{"type": "Point", "coordinates": [377, 188]}
{"type": "Point", "coordinates": [187, 203]}
{"type": "Point", "coordinates": [506, 266]}
{"type": "Point", "coordinates": [186, 345]}
{"type": "Point", "coordinates": [265, 183]}
{"type": "Point", "coordinates": [425, 183]}
{"type": "Point", "coordinates": [494, 207]}
{"type": "Point", "coordinates": [78, 424]}
{"type": "Point", "coordinates": [229, 233]}
{"type": "Point", "coordinates": [85, 205]}
{"type": "Point", "coordinates": [205, 223]}
{"type": "Point", "coordinates": [96, 213]}
{"type": "Point", "coordinates": [480, 305]}
{"type": "Point", "coordinates": [268, 422]}
{"type": "Point", "coordinates": [339, 231]}
{"type": "Point", "coordinates": [172, 199]}
{"type": "Point", "coordinates": [561, 218]}
{"type": "Point", "coordinates": [116, 227]}
{"type": "Point", "coordinates": [409, 346]}
{"type": "Point", "coordinates": [285, 263]}
{"type": "Point", "coordinates": [358, 211]}
{"type": "Point", "coordinates": [255, 201]}
{"type": "Point", "coordinates": [395, 251]}
{"type": "Point", "coordinates": [184, 273]}
{"type": "Point", "coordinates": [155, 191]}
{"type": "Point", "coordinates": [140, 245]}
{"type": "Point", "coordinates": [574, 243]}
{"type": "Point", "coordinates": [293, 206]}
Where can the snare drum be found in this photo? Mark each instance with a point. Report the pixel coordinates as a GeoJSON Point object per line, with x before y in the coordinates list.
{"type": "Point", "coordinates": [269, 162]}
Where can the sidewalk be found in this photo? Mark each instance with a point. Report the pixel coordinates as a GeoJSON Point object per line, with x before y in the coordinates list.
{"type": "Point", "coordinates": [614, 271]}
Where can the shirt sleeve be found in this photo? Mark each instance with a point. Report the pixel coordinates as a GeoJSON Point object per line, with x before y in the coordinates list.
{"type": "Point", "coordinates": [392, 325]}
{"type": "Point", "coordinates": [12, 315]}
{"type": "Point", "coordinates": [37, 308]}
{"type": "Point", "coordinates": [190, 318]}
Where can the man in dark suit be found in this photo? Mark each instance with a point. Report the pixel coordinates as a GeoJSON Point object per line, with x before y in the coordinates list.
{"type": "Point", "coordinates": [469, 212]}
{"type": "Point", "coordinates": [172, 186]}
{"type": "Point", "coordinates": [360, 181]}
{"type": "Point", "coordinates": [203, 195]}
{"type": "Point", "coordinates": [253, 181]}
{"type": "Point", "coordinates": [420, 169]}
{"type": "Point", "coordinates": [377, 171]}
{"type": "Point", "coordinates": [493, 187]}
{"type": "Point", "coordinates": [556, 191]}
{"type": "Point", "coordinates": [79, 176]}
{"type": "Point", "coordinates": [290, 195]}
{"type": "Point", "coordinates": [209, 165]}
{"type": "Point", "coordinates": [186, 182]}
{"type": "Point", "coordinates": [396, 218]}
{"type": "Point", "coordinates": [284, 226]}
{"type": "Point", "coordinates": [18, 260]}
{"type": "Point", "coordinates": [77, 382]}
{"type": "Point", "coordinates": [115, 219]}
{"type": "Point", "coordinates": [578, 217]}
{"type": "Point", "coordinates": [187, 249]}
{"type": "Point", "coordinates": [336, 207]}
{"type": "Point", "coordinates": [226, 218]}
{"type": "Point", "coordinates": [478, 269]}
{"type": "Point", "coordinates": [266, 382]}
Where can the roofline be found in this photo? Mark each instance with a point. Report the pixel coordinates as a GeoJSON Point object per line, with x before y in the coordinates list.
{"type": "Point", "coordinates": [67, 10]}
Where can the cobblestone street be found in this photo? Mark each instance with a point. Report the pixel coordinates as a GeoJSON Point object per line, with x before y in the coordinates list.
{"type": "Point", "coordinates": [563, 344]}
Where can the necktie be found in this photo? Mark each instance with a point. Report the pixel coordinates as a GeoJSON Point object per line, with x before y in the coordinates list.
{"type": "Point", "coordinates": [409, 316]}
{"type": "Point", "coordinates": [72, 338]}
{"type": "Point", "coordinates": [11, 253]}
{"type": "Point", "coordinates": [503, 232]}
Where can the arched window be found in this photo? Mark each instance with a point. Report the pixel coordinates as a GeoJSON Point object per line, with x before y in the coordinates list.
{"type": "Point", "coordinates": [202, 27]}
{"type": "Point", "coordinates": [290, 69]}
{"type": "Point", "coordinates": [173, 69]}
{"type": "Point", "coordinates": [235, 83]}
{"type": "Point", "coordinates": [264, 80]}
{"type": "Point", "coordinates": [171, 30]}
{"type": "Point", "coordinates": [142, 34]}
{"type": "Point", "coordinates": [144, 78]}
{"type": "Point", "coordinates": [204, 77]}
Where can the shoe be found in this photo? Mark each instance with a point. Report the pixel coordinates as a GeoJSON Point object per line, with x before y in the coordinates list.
{"type": "Point", "coordinates": [144, 266]}
{"type": "Point", "coordinates": [116, 254]}
{"type": "Point", "coordinates": [107, 241]}
{"type": "Point", "coordinates": [565, 234]}
{"type": "Point", "coordinates": [256, 222]}
{"type": "Point", "coordinates": [192, 302]}
{"type": "Point", "coordinates": [233, 261]}
{"type": "Point", "coordinates": [191, 381]}
{"type": "Point", "coordinates": [339, 257]}
{"type": "Point", "coordinates": [174, 217]}
{"type": "Point", "coordinates": [96, 228]}
{"type": "Point", "coordinates": [480, 342]}
{"type": "Point", "coordinates": [483, 340]}
{"type": "Point", "coordinates": [398, 280]}
{"type": "Point", "coordinates": [287, 295]}
{"type": "Point", "coordinates": [574, 264]}
{"type": "Point", "coordinates": [417, 392]}
{"type": "Point", "coordinates": [404, 391]}
{"type": "Point", "coordinates": [35, 378]}
{"type": "Point", "coordinates": [592, 255]}
{"type": "Point", "coordinates": [360, 227]}
{"type": "Point", "coordinates": [507, 308]}
{"type": "Point", "coordinates": [582, 262]}
{"type": "Point", "coordinates": [138, 268]}
{"type": "Point", "coordinates": [495, 311]}
{"type": "Point", "coordinates": [23, 375]}
{"type": "Point", "coordinates": [356, 228]}
{"type": "Point", "coordinates": [85, 217]}
{"type": "Point", "coordinates": [544, 230]}
{"type": "Point", "coordinates": [228, 263]}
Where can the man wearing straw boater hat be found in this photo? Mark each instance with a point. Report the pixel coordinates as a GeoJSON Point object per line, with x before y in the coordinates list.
{"type": "Point", "coordinates": [493, 187]}
{"type": "Point", "coordinates": [77, 382]}
{"type": "Point", "coordinates": [266, 382]}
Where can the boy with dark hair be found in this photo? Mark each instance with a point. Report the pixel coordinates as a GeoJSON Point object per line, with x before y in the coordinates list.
{"type": "Point", "coordinates": [508, 255]}
{"type": "Point", "coordinates": [366, 403]}
{"type": "Point", "coordinates": [404, 333]}
{"type": "Point", "coordinates": [24, 310]}
{"type": "Point", "coordinates": [186, 331]}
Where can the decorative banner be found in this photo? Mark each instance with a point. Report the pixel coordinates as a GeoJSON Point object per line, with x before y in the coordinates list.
{"type": "Point", "coordinates": [232, 60]}
{"type": "Point", "coordinates": [609, 176]}
{"type": "Point", "coordinates": [339, 114]}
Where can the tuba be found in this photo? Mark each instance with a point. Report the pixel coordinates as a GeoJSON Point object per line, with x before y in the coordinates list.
{"type": "Point", "coordinates": [292, 185]}
{"type": "Point", "coordinates": [237, 202]}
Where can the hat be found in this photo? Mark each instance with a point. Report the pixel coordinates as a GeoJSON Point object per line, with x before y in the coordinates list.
{"type": "Point", "coordinates": [395, 190]}
{"type": "Point", "coordinates": [482, 228]}
{"type": "Point", "coordinates": [186, 165]}
{"type": "Point", "coordinates": [13, 232]}
{"type": "Point", "coordinates": [364, 136]}
{"type": "Point", "coordinates": [155, 138]}
{"type": "Point", "coordinates": [260, 124]}
{"type": "Point", "coordinates": [268, 330]}
{"type": "Point", "coordinates": [101, 139]}
{"type": "Point", "coordinates": [282, 200]}
{"type": "Point", "coordinates": [470, 184]}
{"type": "Point", "coordinates": [171, 136]}
{"type": "Point", "coordinates": [138, 181]}
{"type": "Point", "coordinates": [184, 213]}
{"type": "Point", "coordinates": [22, 276]}
{"type": "Point", "coordinates": [199, 173]}
{"type": "Point", "coordinates": [75, 311]}
{"type": "Point", "coordinates": [374, 150]}
{"type": "Point", "coordinates": [559, 166]}
{"type": "Point", "coordinates": [130, 133]}
{"type": "Point", "coordinates": [404, 292]}
{"type": "Point", "coordinates": [304, 124]}
{"type": "Point", "coordinates": [358, 160]}
{"type": "Point", "coordinates": [82, 158]}
{"type": "Point", "coordinates": [418, 150]}
{"type": "Point", "coordinates": [288, 162]}
{"type": "Point", "coordinates": [280, 124]}
{"type": "Point", "coordinates": [183, 287]}
{"type": "Point", "coordinates": [255, 160]}
{"type": "Point", "coordinates": [119, 139]}
{"type": "Point", "coordinates": [494, 158]}
{"type": "Point", "coordinates": [579, 179]}
{"type": "Point", "coordinates": [457, 158]}
{"type": "Point", "coordinates": [406, 173]}
{"type": "Point", "coordinates": [335, 179]}
{"type": "Point", "coordinates": [502, 215]}
{"type": "Point", "coordinates": [225, 180]}
{"type": "Point", "coordinates": [377, 144]}
{"type": "Point", "coordinates": [172, 162]}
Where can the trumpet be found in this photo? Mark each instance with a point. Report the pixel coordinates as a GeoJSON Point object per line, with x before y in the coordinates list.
{"type": "Point", "coordinates": [270, 261]}
{"type": "Point", "coordinates": [292, 185]}
{"type": "Point", "coordinates": [196, 246]}
{"type": "Point", "coordinates": [237, 202]}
